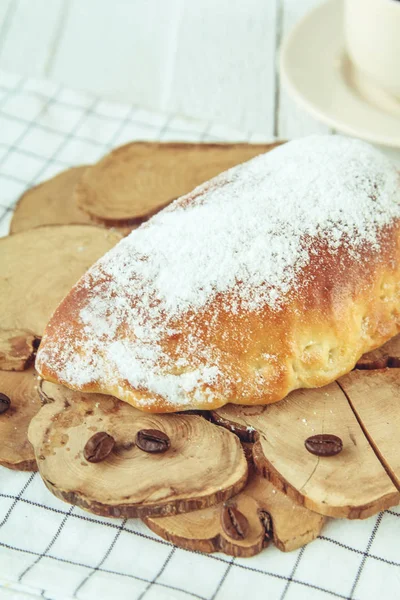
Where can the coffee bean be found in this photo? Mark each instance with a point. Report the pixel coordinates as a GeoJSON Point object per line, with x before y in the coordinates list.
{"type": "Point", "coordinates": [152, 440]}
{"type": "Point", "coordinates": [324, 444]}
{"type": "Point", "coordinates": [4, 403]}
{"type": "Point", "coordinates": [98, 447]}
{"type": "Point", "coordinates": [266, 522]}
{"type": "Point", "coordinates": [234, 523]}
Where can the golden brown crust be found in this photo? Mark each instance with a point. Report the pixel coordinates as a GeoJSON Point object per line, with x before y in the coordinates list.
{"type": "Point", "coordinates": [343, 311]}
{"type": "Point", "coordinates": [343, 301]}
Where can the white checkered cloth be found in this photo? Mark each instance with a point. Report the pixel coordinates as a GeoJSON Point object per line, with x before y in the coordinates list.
{"type": "Point", "coordinates": [51, 550]}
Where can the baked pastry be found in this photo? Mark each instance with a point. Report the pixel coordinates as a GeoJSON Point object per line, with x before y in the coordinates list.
{"type": "Point", "coordinates": [275, 275]}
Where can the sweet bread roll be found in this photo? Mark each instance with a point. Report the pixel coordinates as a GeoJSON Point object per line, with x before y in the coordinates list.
{"type": "Point", "coordinates": [275, 275]}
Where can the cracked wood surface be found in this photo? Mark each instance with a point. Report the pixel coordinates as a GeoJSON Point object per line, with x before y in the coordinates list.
{"type": "Point", "coordinates": [271, 515]}
{"type": "Point", "coordinates": [204, 465]}
{"type": "Point", "coordinates": [363, 409]}
{"type": "Point", "coordinates": [375, 399]}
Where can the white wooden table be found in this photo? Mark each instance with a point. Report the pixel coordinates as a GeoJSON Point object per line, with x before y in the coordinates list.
{"type": "Point", "coordinates": [210, 59]}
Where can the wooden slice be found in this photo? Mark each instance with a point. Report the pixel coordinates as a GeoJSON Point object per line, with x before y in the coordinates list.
{"type": "Point", "coordinates": [204, 465]}
{"type": "Point", "coordinates": [352, 484]}
{"type": "Point", "coordinates": [270, 513]}
{"type": "Point", "coordinates": [50, 203]}
{"type": "Point", "coordinates": [17, 349]}
{"type": "Point", "coordinates": [138, 179]}
{"type": "Point", "coordinates": [37, 269]}
{"type": "Point", "coordinates": [16, 452]}
{"type": "Point", "coordinates": [375, 399]}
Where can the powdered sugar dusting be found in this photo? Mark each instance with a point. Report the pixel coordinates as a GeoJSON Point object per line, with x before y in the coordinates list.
{"type": "Point", "coordinates": [247, 232]}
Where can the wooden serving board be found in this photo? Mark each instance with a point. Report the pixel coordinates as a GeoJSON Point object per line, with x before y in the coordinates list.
{"type": "Point", "coordinates": [362, 408]}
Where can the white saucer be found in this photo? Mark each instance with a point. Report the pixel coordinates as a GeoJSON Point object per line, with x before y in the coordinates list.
{"type": "Point", "coordinates": [316, 71]}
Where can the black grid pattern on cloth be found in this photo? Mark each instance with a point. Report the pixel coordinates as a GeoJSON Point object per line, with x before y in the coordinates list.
{"type": "Point", "coordinates": [55, 551]}
{"type": "Point", "coordinates": [16, 127]}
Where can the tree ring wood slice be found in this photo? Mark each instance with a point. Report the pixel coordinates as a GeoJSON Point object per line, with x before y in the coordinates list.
{"type": "Point", "coordinates": [353, 484]}
{"type": "Point", "coordinates": [17, 349]}
{"type": "Point", "coordinates": [204, 465]}
{"type": "Point", "coordinates": [16, 452]}
{"type": "Point", "coordinates": [52, 203]}
{"type": "Point", "coordinates": [291, 525]}
{"type": "Point", "coordinates": [375, 398]}
{"type": "Point", "coordinates": [37, 269]}
{"type": "Point", "coordinates": [136, 180]}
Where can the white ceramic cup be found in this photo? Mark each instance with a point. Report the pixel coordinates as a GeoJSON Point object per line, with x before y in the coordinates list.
{"type": "Point", "coordinates": [372, 30]}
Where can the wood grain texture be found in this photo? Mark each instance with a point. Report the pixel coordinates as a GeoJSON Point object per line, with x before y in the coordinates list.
{"type": "Point", "coordinates": [50, 203]}
{"type": "Point", "coordinates": [375, 398]}
{"type": "Point", "coordinates": [17, 349]}
{"type": "Point", "coordinates": [290, 526]}
{"type": "Point", "coordinates": [135, 181]}
{"type": "Point", "coordinates": [16, 452]}
{"type": "Point", "coordinates": [353, 484]}
{"type": "Point", "coordinates": [39, 266]}
{"type": "Point", "coordinates": [204, 465]}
